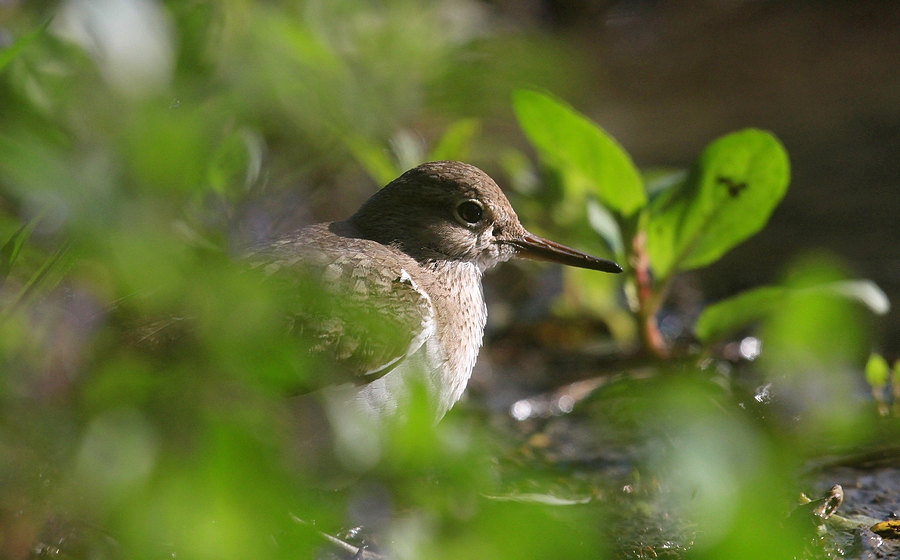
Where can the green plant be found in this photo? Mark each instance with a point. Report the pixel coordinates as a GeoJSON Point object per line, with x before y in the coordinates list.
{"type": "Point", "coordinates": [882, 378]}
{"type": "Point", "coordinates": [47, 274]}
{"type": "Point", "coordinates": [409, 151]}
{"type": "Point", "coordinates": [663, 223]}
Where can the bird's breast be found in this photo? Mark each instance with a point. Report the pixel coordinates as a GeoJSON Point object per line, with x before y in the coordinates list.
{"type": "Point", "coordinates": [460, 317]}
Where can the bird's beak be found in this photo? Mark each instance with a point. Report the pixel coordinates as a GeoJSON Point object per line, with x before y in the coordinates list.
{"type": "Point", "coordinates": [539, 249]}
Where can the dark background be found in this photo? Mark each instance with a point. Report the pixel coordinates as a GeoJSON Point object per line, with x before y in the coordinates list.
{"type": "Point", "coordinates": [823, 76]}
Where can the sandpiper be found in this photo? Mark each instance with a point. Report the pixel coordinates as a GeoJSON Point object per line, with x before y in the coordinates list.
{"type": "Point", "coordinates": [404, 275]}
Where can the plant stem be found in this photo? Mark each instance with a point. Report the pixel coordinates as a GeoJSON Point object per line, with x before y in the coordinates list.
{"type": "Point", "coordinates": [648, 300]}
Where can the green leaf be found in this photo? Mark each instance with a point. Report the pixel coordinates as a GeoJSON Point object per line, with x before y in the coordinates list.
{"type": "Point", "coordinates": [520, 171]}
{"type": "Point", "coordinates": [10, 251]}
{"type": "Point", "coordinates": [456, 141]}
{"type": "Point", "coordinates": [729, 315]}
{"type": "Point", "coordinates": [732, 190]}
{"type": "Point", "coordinates": [865, 292]}
{"type": "Point", "coordinates": [877, 371]}
{"type": "Point", "coordinates": [605, 225]}
{"type": "Point", "coordinates": [569, 141]}
{"type": "Point", "coordinates": [660, 180]}
{"type": "Point", "coordinates": [9, 53]}
{"type": "Point", "coordinates": [46, 277]}
{"type": "Point", "coordinates": [228, 163]}
{"type": "Point", "coordinates": [409, 149]}
{"type": "Point", "coordinates": [373, 158]}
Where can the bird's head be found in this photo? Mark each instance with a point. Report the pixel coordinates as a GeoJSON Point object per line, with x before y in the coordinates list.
{"type": "Point", "coordinates": [447, 210]}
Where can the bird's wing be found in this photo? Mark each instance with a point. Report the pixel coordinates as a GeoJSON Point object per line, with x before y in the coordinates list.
{"type": "Point", "coordinates": [351, 298]}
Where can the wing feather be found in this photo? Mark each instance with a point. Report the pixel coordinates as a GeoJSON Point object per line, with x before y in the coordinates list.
{"type": "Point", "coordinates": [353, 299]}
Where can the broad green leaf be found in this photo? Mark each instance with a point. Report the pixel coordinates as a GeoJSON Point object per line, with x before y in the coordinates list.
{"type": "Point", "coordinates": [456, 141]}
{"type": "Point", "coordinates": [729, 315]}
{"type": "Point", "coordinates": [569, 141]}
{"type": "Point", "coordinates": [865, 292]}
{"type": "Point", "coordinates": [729, 195]}
{"type": "Point", "coordinates": [877, 371]}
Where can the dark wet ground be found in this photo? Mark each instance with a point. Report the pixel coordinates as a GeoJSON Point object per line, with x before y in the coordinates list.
{"type": "Point", "coordinates": [587, 446]}
{"type": "Point", "coordinates": [871, 489]}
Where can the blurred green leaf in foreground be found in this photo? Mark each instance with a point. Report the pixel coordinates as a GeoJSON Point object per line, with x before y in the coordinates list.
{"type": "Point", "coordinates": [145, 370]}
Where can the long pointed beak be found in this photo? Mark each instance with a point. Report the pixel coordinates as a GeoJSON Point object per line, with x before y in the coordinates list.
{"type": "Point", "coordinates": [539, 249]}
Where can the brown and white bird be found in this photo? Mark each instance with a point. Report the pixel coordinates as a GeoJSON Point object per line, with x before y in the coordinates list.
{"type": "Point", "coordinates": [402, 303]}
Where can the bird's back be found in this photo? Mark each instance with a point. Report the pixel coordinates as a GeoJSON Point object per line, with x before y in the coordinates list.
{"type": "Point", "coordinates": [354, 299]}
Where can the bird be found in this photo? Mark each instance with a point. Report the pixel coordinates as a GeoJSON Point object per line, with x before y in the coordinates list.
{"type": "Point", "coordinates": [397, 298]}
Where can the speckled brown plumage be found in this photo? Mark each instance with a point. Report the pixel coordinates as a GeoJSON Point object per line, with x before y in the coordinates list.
{"type": "Point", "coordinates": [404, 279]}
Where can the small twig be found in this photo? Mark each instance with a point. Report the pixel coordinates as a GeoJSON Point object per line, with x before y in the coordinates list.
{"type": "Point", "coordinates": [359, 553]}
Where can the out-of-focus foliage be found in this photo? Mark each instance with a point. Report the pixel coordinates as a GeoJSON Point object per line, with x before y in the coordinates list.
{"type": "Point", "coordinates": [815, 344]}
{"type": "Point", "coordinates": [721, 471]}
{"type": "Point", "coordinates": [408, 151]}
{"type": "Point", "coordinates": [725, 317]}
{"type": "Point", "coordinates": [877, 371]}
{"type": "Point", "coordinates": [146, 371]}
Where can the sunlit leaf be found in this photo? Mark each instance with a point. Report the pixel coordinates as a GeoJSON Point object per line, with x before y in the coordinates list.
{"type": "Point", "coordinates": [659, 180]}
{"type": "Point", "coordinates": [864, 291]}
{"type": "Point", "coordinates": [373, 158]}
{"type": "Point", "coordinates": [877, 371]}
{"type": "Point", "coordinates": [732, 190]}
{"type": "Point", "coordinates": [569, 141]}
{"type": "Point", "coordinates": [603, 222]}
{"type": "Point", "coordinates": [235, 163]}
{"type": "Point", "coordinates": [456, 141]}
{"type": "Point", "coordinates": [814, 346]}
{"type": "Point", "coordinates": [729, 315]}
{"type": "Point", "coordinates": [409, 149]}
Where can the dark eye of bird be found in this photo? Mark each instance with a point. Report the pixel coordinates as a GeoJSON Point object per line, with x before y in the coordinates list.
{"type": "Point", "coordinates": [470, 211]}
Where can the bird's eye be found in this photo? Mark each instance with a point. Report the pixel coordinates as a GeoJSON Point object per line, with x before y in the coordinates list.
{"type": "Point", "coordinates": [469, 212]}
